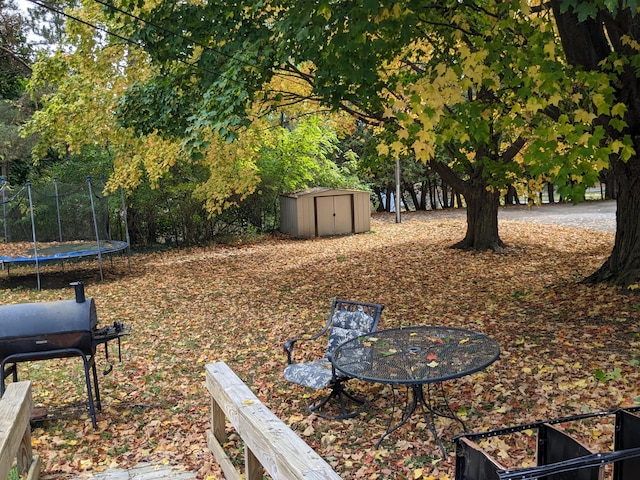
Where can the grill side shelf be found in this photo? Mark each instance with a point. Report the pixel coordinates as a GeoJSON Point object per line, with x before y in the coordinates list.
{"type": "Point", "coordinates": [111, 332]}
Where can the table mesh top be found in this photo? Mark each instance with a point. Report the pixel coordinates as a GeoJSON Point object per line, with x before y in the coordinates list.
{"type": "Point", "coordinates": [412, 355]}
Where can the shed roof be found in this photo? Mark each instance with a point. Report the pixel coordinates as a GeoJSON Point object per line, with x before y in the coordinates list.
{"type": "Point", "coordinates": [318, 190]}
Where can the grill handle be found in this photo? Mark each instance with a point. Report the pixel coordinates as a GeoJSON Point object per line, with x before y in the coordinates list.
{"type": "Point", "coordinates": [79, 288]}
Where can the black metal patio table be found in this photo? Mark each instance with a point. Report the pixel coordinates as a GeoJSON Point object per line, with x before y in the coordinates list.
{"type": "Point", "coordinates": [416, 357]}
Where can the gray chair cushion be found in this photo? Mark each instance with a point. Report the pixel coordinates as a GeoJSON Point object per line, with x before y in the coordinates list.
{"type": "Point", "coordinates": [346, 325]}
{"type": "Point", "coordinates": [357, 320]}
{"type": "Point", "coordinates": [340, 335]}
{"type": "Point", "coordinates": [315, 374]}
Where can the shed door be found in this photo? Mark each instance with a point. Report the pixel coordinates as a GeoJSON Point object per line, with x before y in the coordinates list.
{"type": "Point", "coordinates": [334, 215]}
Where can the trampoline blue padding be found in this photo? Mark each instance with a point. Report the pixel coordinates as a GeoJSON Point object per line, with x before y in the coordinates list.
{"type": "Point", "coordinates": [62, 251]}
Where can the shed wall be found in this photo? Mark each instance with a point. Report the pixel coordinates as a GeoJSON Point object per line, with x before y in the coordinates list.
{"type": "Point", "coordinates": [300, 217]}
{"type": "Point", "coordinates": [288, 215]}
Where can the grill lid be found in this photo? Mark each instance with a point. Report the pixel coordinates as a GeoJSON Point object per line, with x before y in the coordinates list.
{"type": "Point", "coordinates": [47, 318]}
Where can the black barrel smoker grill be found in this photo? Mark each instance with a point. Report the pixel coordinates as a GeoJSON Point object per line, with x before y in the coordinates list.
{"type": "Point", "coordinates": [47, 330]}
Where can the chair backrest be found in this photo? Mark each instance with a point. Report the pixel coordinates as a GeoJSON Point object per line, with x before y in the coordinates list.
{"type": "Point", "coordinates": [350, 319]}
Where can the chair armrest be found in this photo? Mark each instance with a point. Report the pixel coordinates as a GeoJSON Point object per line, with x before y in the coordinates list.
{"type": "Point", "coordinates": [288, 348]}
{"type": "Point", "coordinates": [290, 344]}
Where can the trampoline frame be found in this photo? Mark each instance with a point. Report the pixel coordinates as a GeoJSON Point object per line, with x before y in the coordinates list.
{"type": "Point", "coordinates": [84, 249]}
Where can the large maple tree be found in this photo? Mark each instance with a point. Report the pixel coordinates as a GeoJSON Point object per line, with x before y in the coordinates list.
{"type": "Point", "coordinates": [479, 90]}
{"type": "Point", "coordinates": [605, 37]}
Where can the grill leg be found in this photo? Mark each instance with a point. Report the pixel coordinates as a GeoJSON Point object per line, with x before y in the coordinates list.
{"type": "Point", "coordinates": [61, 353]}
{"type": "Point", "coordinates": [4, 371]}
{"type": "Point", "coordinates": [95, 384]}
{"type": "Point", "coordinates": [92, 409]}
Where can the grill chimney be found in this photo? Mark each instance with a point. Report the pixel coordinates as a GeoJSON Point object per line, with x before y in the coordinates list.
{"type": "Point", "coordinates": [79, 288]}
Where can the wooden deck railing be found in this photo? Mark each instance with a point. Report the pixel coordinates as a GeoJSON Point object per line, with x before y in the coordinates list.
{"type": "Point", "coordinates": [270, 445]}
{"type": "Point", "coordinates": [16, 406]}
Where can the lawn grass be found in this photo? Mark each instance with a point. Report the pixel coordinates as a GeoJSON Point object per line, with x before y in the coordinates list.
{"type": "Point", "coordinates": [239, 302]}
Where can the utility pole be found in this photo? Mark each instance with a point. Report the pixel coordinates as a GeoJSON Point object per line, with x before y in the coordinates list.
{"type": "Point", "coordinates": [398, 216]}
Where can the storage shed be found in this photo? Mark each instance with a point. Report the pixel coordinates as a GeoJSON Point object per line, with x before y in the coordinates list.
{"type": "Point", "coordinates": [322, 211]}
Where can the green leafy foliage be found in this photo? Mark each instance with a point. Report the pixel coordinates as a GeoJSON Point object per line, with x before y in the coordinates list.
{"type": "Point", "coordinates": [480, 92]}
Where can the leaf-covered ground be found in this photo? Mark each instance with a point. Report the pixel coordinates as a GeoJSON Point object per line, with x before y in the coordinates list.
{"type": "Point", "coordinates": [566, 348]}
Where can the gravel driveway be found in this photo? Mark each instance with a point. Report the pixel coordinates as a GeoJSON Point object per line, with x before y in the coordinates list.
{"type": "Point", "coordinates": [591, 215]}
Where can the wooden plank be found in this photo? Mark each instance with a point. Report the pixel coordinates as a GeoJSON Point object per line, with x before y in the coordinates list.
{"type": "Point", "coordinates": [218, 421]}
{"type": "Point", "coordinates": [253, 468]}
{"type": "Point", "coordinates": [227, 466]}
{"type": "Point", "coordinates": [282, 453]}
{"type": "Point", "coordinates": [24, 455]}
{"type": "Point", "coordinates": [15, 411]}
{"type": "Point", "coordinates": [34, 470]}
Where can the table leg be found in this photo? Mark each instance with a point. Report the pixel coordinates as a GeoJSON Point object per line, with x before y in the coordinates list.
{"type": "Point", "coordinates": [442, 409]}
{"type": "Point", "coordinates": [430, 409]}
{"type": "Point", "coordinates": [405, 416]}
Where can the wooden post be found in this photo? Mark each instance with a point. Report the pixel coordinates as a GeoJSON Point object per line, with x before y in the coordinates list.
{"type": "Point", "coordinates": [269, 443]}
{"type": "Point", "coordinates": [15, 431]}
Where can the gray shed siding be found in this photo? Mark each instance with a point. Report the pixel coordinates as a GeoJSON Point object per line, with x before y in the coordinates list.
{"type": "Point", "coordinates": [325, 211]}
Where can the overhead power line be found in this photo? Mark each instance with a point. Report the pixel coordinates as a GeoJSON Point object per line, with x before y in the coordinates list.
{"type": "Point", "coordinates": [129, 40]}
{"type": "Point", "coordinates": [142, 45]}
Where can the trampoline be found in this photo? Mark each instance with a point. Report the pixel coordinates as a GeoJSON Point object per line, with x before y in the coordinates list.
{"type": "Point", "coordinates": [57, 222]}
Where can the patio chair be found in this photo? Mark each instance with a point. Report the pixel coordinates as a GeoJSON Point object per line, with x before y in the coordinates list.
{"type": "Point", "coordinates": [347, 320]}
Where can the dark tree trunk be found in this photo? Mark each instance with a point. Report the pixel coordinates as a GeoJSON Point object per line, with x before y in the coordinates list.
{"type": "Point", "coordinates": [433, 194]}
{"type": "Point", "coordinates": [482, 210]}
{"type": "Point", "coordinates": [623, 265]}
{"type": "Point", "coordinates": [378, 193]}
{"type": "Point", "coordinates": [404, 202]}
{"type": "Point", "coordinates": [482, 221]}
{"type": "Point", "coordinates": [389, 197]}
{"type": "Point", "coordinates": [414, 198]}
{"type": "Point", "coordinates": [586, 44]}
{"type": "Point", "coordinates": [511, 197]}
{"type": "Point", "coordinates": [552, 198]}
{"type": "Point", "coordinates": [456, 199]}
{"type": "Point", "coordinates": [424, 186]}
{"type": "Point", "coordinates": [445, 195]}
{"type": "Point", "coordinates": [606, 177]}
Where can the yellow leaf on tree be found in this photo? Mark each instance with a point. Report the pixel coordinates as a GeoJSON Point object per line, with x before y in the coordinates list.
{"type": "Point", "coordinates": [549, 49]}
{"type": "Point", "coordinates": [382, 149]}
{"type": "Point", "coordinates": [618, 110]}
{"type": "Point", "coordinates": [582, 116]}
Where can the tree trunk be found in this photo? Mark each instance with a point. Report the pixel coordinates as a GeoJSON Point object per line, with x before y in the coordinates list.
{"type": "Point", "coordinates": [482, 221]}
{"type": "Point", "coordinates": [459, 203]}
{"type": "Point", "coordinates": [389, 198]}
{"type": "Point", "coordinates": [623, 265]}
{"type": "Point", "coordinates": [423, 195]}
{"type": "Point", "coordinates": [552, 198]}
{"type": "Point", "coordinates": [445, 195]}
{"type": "Point", "coordinates": [411, 190]}
{"type": "Point", "coordinates": [586, 44]}
{"type": "Point", "coordinates": [404, 202]}
{"type": "Point", "coordinates": [606, 177]}
{"type": "Point", "coordinates": [482, 210]}
{"type": "Point", "coordinates": [433, 194]}
{"type": "Point", "coordinates": [511, 197]}
{"type": "Point", "coordinates": [378, 193]}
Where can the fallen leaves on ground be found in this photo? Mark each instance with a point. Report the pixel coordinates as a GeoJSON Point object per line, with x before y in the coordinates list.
{"type": "Point", "coordinates": [238, 303]}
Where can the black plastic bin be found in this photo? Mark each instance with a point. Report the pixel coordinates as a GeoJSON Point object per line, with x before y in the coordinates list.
{"type": "Point", "coordinates": [558, 455]}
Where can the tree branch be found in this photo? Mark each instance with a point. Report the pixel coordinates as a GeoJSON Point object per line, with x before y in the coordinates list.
{"type": "Point", "coordinates": [17, 58]}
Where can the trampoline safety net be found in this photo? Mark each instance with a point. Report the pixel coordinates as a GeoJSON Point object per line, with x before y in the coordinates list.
{"type": "Point", "coordinates": [56, 221]}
